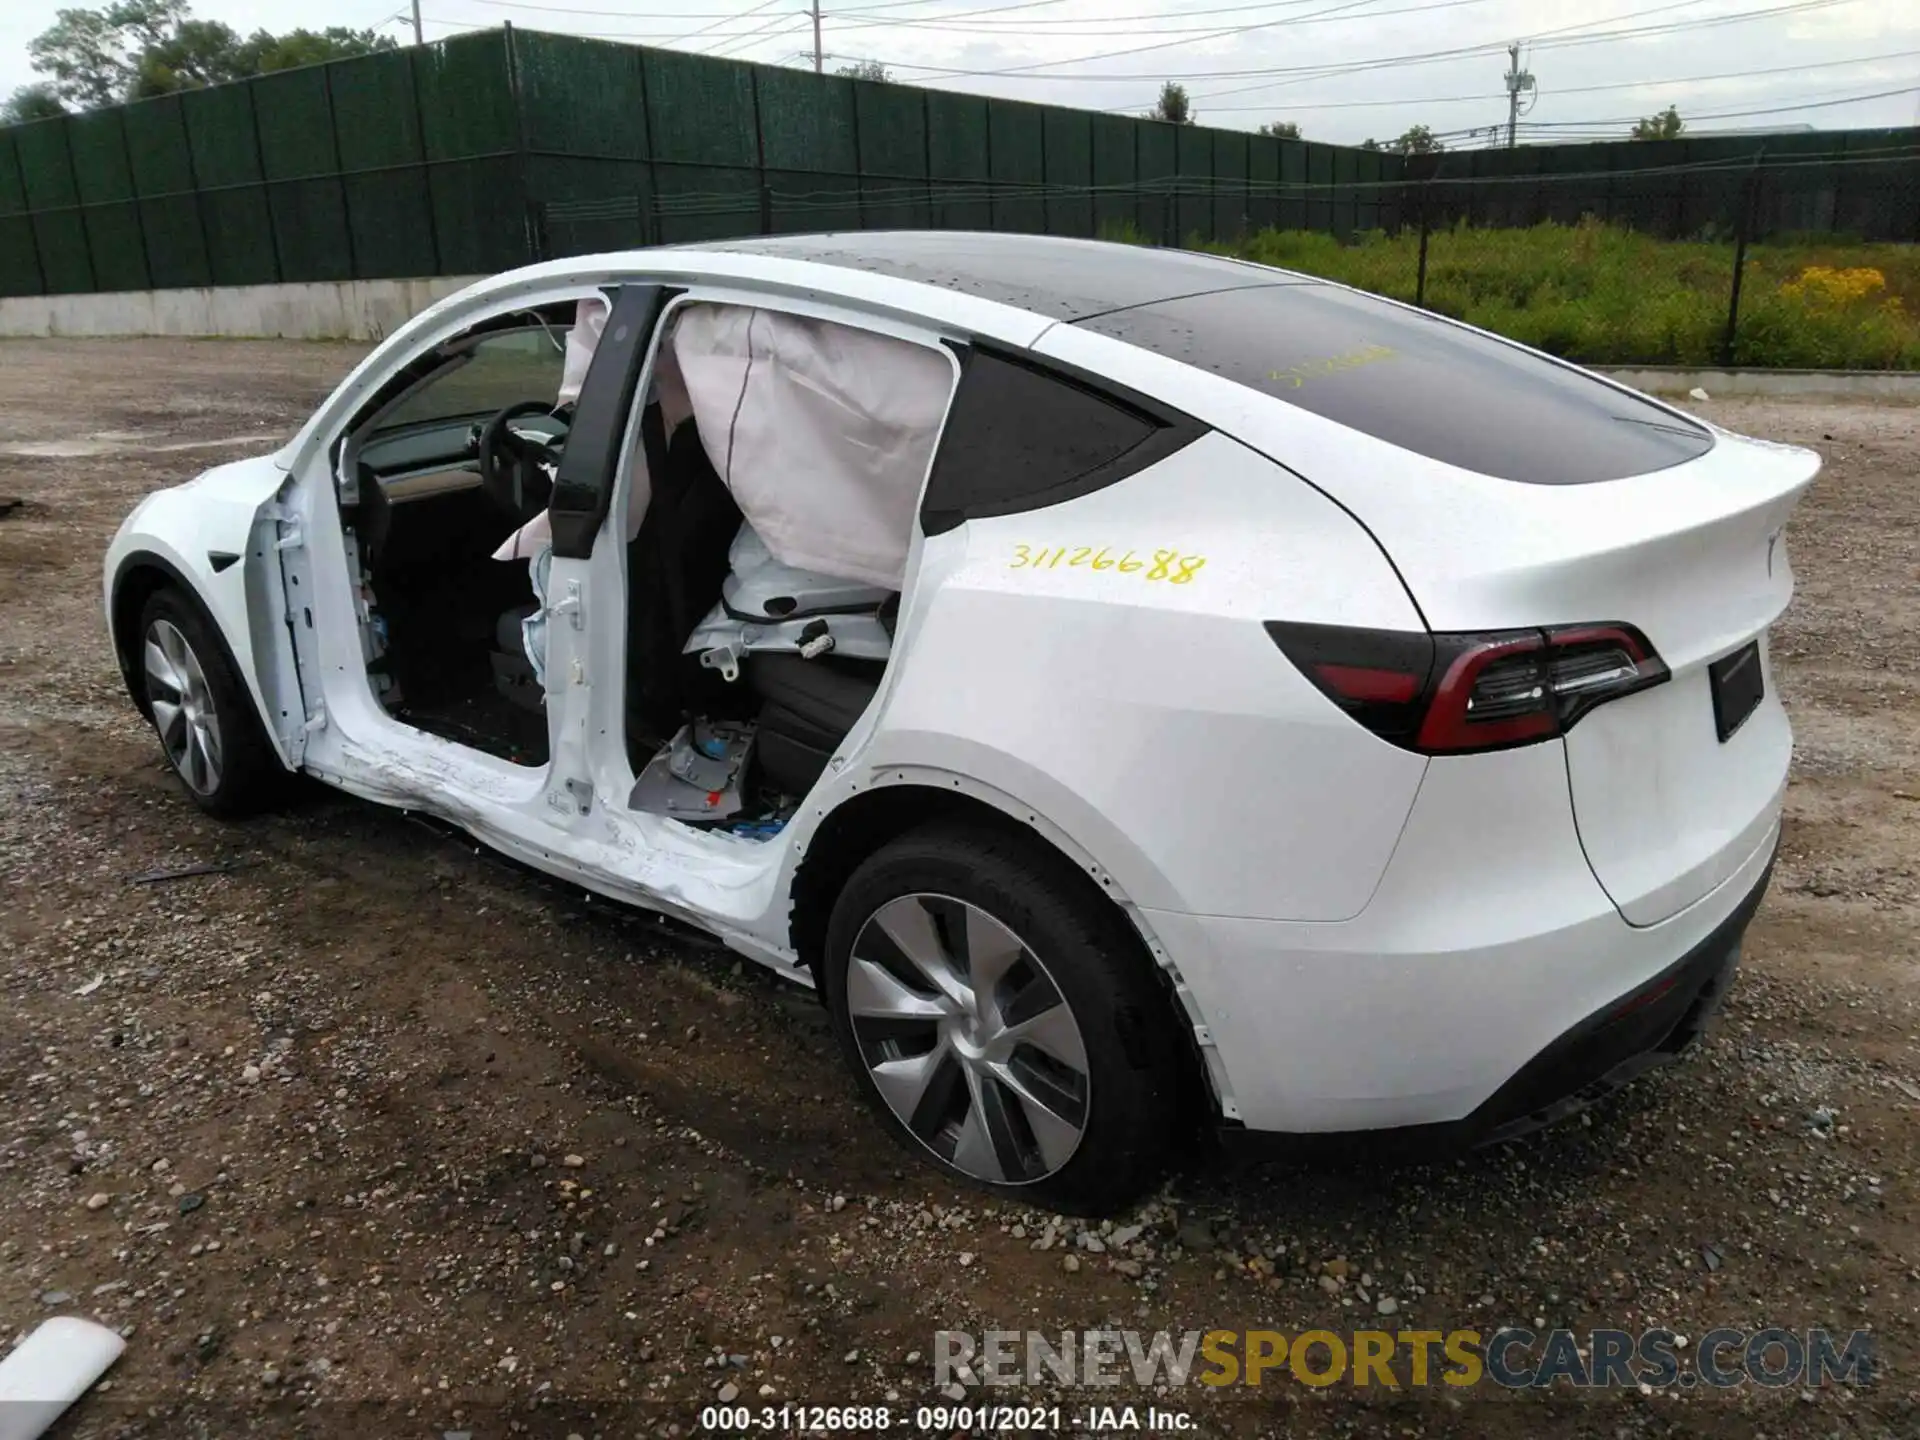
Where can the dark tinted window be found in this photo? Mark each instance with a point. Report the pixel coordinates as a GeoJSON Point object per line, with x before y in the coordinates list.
{"type": "Point", "coordinates": [1061, 278]}
{"type": "Point", "coordinates": [1019, 437]}
{"type": "Point", "coordinates": [1416, 381]}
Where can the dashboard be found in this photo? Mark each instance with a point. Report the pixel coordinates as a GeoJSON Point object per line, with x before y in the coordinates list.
{"type": "Point", "coordinates": [438, 457]}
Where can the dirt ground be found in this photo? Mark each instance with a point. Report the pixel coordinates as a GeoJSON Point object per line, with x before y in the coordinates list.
{"type": "Point", "coordinates": [378, 1134]}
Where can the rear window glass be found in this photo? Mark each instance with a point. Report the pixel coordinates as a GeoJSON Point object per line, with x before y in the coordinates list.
{"type": "Point", "coordinates": [1416, 382]}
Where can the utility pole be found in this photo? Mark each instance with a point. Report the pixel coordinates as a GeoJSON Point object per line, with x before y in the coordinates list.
{"type": "Point", "coordinates": [418, 38]}
{"type": "Point", "coordinates": [816, 35]}
{"type": "Point", "coordinates": [1518, 82]}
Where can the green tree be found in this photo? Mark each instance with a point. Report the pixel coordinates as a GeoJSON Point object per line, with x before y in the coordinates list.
{"type": "Point", "coordinates": [31, 102]}
{"type": "Point", "coordinates": [264, 52]}
{"type": "Point", "coordinates": [1666, 125]}
{"type": "Point", "coordinates": [1370, 144]}
{"type": "Point", "coordinates": [198, 52]}
{"type": "Point", "coordinates": [1172, 106]}
{"type": "Point", "coordinates": [206, 52]}
{"type": "Point", "coordinates": [136, 48]}
{"type": "Point", "coordinates": [92, 56]}
{"type": "Point", "coordinates": [1280, 130]}
{"type": "Point", "coordinates": [865, 70]}
{"type": "Point", "coordinates": [1416, 140]}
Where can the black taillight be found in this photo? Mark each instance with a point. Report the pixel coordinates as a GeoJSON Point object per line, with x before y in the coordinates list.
{"type": "Point", "coordinates": [1379, 677]}
{"type": "Point", "coordinates": [1454, 694]}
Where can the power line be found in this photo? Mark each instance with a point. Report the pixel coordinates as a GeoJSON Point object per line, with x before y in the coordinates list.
{"type": "Point", "coordinates": [1665, 9]}
{"type": "Point", "coordinates": [666, 37]}
{"type": "Point", "coordinates": [852, 12]}
{"type": "Point", "coordinates": [942, 27]}
{"type": "Point", "coordinates": [1612, 125]}
{"type": "Point", "coordinates": [1486, 96]}
{"type": "Point", "coordinates": [1023, 70]}
{"type": "Point", "coordinates": [778, 28]}
{"type": "Point", "coordinates": [1013, 28]}
{"type": "Point", "coordinates": [1296, 73]}
{"type": "Point", "coordinates": [763, 5]}
{"type": "Point", "coordinates": [628, 13]}
{"type": "Point", "coordinates": [1786, 109]}
{"type": "Point", "coordinates": [1044, 28]}
{"type": "Point", "coordinates": [1354, 67]}
{"type": "Point", "coordinates": [718, 44]}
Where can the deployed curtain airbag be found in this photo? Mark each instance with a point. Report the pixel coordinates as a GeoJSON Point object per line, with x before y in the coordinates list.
{"type": "Point", "coordinates": [822, 432]}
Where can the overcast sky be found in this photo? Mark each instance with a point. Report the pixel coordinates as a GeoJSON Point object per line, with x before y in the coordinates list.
{"type": "Point", "coordinates": [1121, 50]}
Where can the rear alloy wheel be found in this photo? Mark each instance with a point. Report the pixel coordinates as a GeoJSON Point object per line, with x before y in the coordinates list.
{"type": "Point", "coordinates": [1000, 1020]}
{"type": "Point", "coordinates": [967, 1039]}
{"type": "Point", "coordinates": [200, 710]}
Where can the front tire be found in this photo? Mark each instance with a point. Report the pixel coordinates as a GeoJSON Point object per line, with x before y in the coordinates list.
{"type": "Point", "coordinates": [201, 711]}
{"type": "Point", "coordinates": [1001, 1019]}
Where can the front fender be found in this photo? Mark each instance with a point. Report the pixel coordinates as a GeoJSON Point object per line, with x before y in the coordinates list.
{"type": "Point", "coordinates": [215, 539]}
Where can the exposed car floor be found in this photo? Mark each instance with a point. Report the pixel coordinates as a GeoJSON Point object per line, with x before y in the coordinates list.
{"type": "Point", "coordinates": [386, 1203]}
{"type": "Point", "coordinates": [487, 721]}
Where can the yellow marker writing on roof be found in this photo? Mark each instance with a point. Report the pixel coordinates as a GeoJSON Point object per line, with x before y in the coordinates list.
{"type": "Point", "coordinates": [1294, 376]}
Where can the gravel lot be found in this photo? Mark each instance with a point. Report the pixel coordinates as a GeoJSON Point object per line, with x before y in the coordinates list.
{"type": "Point", "coordinates": [378, 1134]}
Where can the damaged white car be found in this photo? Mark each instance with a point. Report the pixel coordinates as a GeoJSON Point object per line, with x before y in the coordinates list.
{"type": "Point", "coordinates": [1137, 688]}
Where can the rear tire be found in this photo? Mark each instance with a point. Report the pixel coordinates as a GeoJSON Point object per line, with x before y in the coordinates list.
{"type": "Point", "coordinates": [1001, 1019]}
{"type": "Point", "coordinates": [200, 709]}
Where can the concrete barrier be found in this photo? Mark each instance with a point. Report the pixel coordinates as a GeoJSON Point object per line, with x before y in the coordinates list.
{"type": "Point", "coordinates": [1897, 385]}
{"type": "Point", "coordinates": [346, 310]}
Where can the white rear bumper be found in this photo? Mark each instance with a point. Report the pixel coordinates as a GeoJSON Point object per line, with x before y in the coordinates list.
{"type": "Point", "coordinates": [1487, 940]}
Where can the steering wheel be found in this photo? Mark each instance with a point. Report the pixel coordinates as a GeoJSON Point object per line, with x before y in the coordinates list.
{"type": "Point", "coordinates": [511, 465]}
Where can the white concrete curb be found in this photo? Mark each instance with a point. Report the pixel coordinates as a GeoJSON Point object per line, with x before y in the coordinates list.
{"type": "Point", "coordinates": [344, 310]}
{"type": "Point", "coordinates": [1900, 385]}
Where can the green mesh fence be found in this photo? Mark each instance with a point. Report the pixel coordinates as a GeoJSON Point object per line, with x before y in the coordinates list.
{"type": "Point", "coordinates": [891, 124]}
{"type": "Point", "coordinates": [377, 134]}
{"type": "Point", "coordinates": [1230, 219]}
{"type": "Point", "coordinates": [1066, 157]}
{"type": "Point", "coordinates": [958, 170]}
{"type": "Point", "coordinates": [498, 147]}
{"type": "Point", "coordinates": [1115, 147]}
{"type": "Point", "coordinates": [19, 251]}
{"type": "Point", "coordinates": [809, 128]}
{"type": "Point", "coordinates": [1016, 163]}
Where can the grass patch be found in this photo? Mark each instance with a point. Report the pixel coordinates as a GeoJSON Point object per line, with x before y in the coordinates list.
{"type": "Point", "coordinates": [1601, 294]}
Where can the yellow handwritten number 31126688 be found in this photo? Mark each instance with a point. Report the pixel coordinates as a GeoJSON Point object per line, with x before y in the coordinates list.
{"type": "Point", "coordinates": [1168, 565]}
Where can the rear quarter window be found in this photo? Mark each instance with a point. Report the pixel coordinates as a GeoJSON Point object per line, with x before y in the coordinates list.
{"type": "Point", "coordinates": [1021, 436]}
{"type": "Point", "coordinates": [1415, 381]}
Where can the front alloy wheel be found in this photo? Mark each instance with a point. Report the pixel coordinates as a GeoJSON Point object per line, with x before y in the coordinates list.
{"type": "Point", "coordinates": [184, 712]}
{"type": "Point", "coordinates": [200, 708]}
{"type": "Point", "coordinates": [967, 1039]}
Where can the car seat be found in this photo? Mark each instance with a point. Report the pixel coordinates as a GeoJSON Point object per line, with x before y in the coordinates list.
{"type": "Point", "coordinates": [811, 649]}
{"type": "Point", "coordinates": [807, 709]}
{"type": "Point", "coordinates": [675, 566]}
{"type": "Point", "coordinates": [767, 605]}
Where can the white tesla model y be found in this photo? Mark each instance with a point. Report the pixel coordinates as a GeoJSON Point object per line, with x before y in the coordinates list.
{"type": "Point", "coordinates": [1135, 687]}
